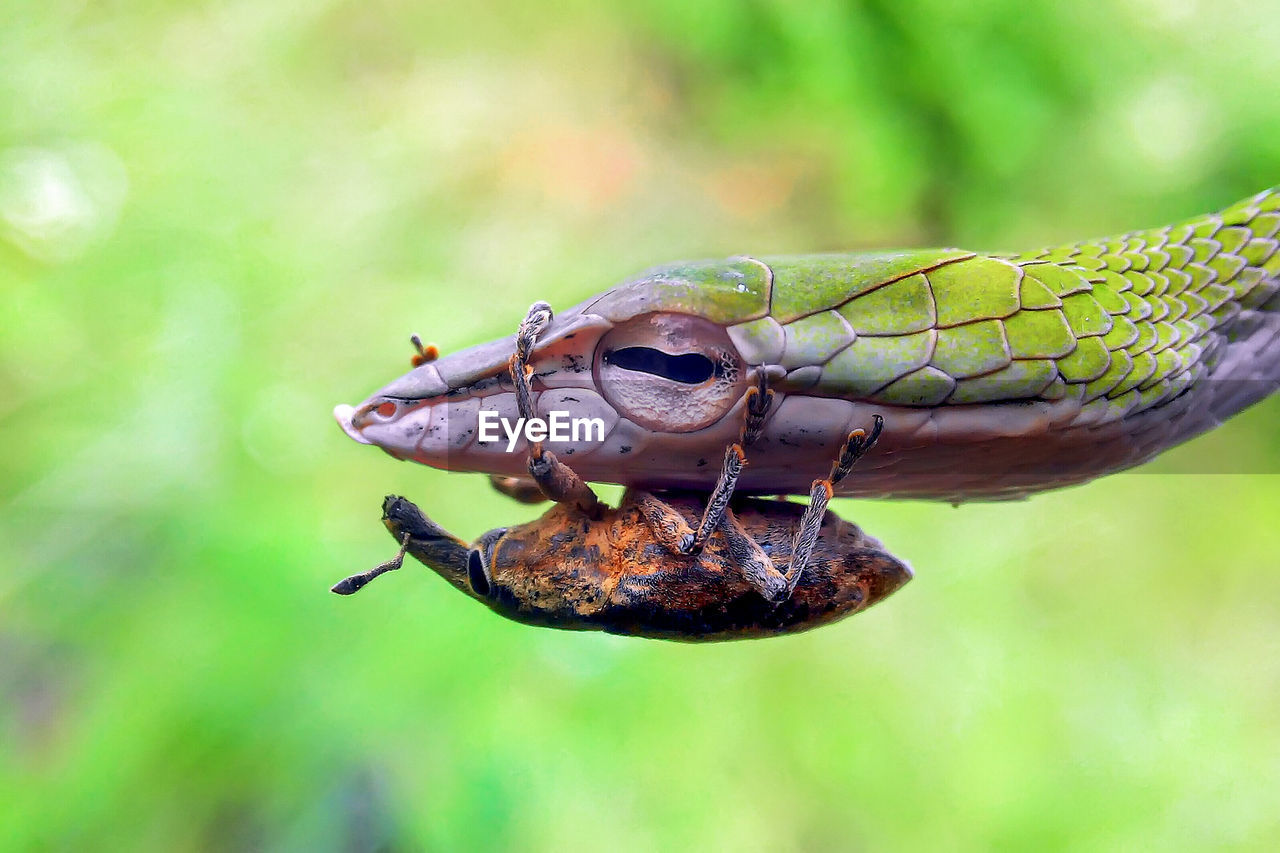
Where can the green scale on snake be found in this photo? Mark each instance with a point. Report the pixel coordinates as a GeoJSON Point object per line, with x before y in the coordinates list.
{"type": "Point", "coordinates": [1124, 323]}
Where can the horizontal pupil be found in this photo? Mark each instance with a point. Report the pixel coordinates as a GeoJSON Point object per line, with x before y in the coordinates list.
{"type": "Point", "coordinates": [690, 368]}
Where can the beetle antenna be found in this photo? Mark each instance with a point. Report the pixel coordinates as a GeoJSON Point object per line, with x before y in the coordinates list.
{"type": "Point", "coordinates": [355, 583]}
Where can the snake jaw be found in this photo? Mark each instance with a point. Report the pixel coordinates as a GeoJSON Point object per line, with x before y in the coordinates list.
{"type": "Point", "coordinates": [431, 413]}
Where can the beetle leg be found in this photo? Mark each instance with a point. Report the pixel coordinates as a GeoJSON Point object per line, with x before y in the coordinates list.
{"type": "Point", "coordinates": [807, 535]}
{"type": "Point", "coordinates": [671, 531]}
{"type": "Point", "coordinates": [718, 501]}
{"type": "Point", "coordinates": [857, 444]}
{"type": "Point", "coordinates": [667, 525]}
{"type": "Point", "coordinates": [531, 326]}
{"type": "Point", "coordinates": [534, 323]}
{"type": "Point", "coordinates": [557, 481]}
{"type": "Point", "coordinates": [750, 558]}
{"type": "Point", "coordinates": [759, 400]}
{"type": "Point", "coordinates": [353, 584]}
{"type": "Point", "coordinates": [520, 489]}
{"type": "Point", "coordinates": [426, 541]}
{"type": "Point", "coordinates": [670, 527]}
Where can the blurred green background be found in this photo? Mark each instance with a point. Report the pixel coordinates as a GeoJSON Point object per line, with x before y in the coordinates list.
{"type": "Point", "coordinates": [217, 220]}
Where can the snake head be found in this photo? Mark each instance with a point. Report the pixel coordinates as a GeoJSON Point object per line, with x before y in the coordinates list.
{"type": "Point", "coordinates": [653, 369]}
{"type": "Point", "coordinates": [430, 414]}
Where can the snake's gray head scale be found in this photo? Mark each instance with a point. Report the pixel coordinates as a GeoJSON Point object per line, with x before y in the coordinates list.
{"type": "Point", "coordinates": [662, 362]}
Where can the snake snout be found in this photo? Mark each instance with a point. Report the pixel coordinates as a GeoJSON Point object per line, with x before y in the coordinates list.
{"type": "Point", "coordinates": [345, 416]}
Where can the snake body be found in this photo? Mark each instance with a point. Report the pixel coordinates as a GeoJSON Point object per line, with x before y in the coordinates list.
{"type": "Point", "coordinates": [998, 375]}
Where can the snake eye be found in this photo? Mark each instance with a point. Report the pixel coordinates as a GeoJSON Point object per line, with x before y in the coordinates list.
{"type": "Point", "coordinates": [670, 372]}
{"type": "Point", "coordinates": [692, 368]}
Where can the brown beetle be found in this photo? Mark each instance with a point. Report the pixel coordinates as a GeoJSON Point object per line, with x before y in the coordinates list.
{"type": "Point", "coordinates": [612, 573]}
{"type": "Point", "coordinates": [670, 564]}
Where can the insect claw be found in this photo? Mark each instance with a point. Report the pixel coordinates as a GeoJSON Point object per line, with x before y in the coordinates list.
{"type": "Point", "coordinates": [877, 426]}
{"type": "Point", "coordinates": [855, 447]}
{"type": "Point", "coordinates": [534, 324]}
{"type": "Point", "coordinates": [759, 401]}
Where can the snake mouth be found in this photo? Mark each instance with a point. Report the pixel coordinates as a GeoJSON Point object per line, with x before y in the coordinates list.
{"type": "Point", "coordinates": [345, 416]}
